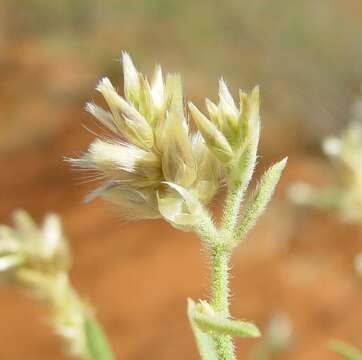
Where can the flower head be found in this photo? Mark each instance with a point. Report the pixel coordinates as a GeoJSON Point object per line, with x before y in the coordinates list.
{"type": "Point", "coordinates": [153, 166]}
{"type": "Point", "coordinates": [232, 133]}
{"type": "Point", "coordinates": [38, 259]}
{"type": "Point", "coordinates": [345, 197]}
{"type": "Point", "coordinates": [152, 159]}
{"type": "Point", "coordinates": [229, 128]}
{"type": "Point", "coordinates": [347, 153]}
{"type": "Point", "coordinates": [347, 150]}
{"type": "Point", "coordinates": [28, 246]}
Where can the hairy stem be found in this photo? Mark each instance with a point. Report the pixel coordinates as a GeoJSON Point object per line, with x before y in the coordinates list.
{"type": "Point", "coordinates": [239, 177]}
{"type": "Point", "coordinates": [205, 228]}
{"type": "Point", "coordinates": [233, 201]}
{"type": "Point", "coordinates": [219, 258]}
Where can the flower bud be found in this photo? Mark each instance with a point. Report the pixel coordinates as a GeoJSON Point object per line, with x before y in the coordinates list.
{"type": "Point", "coordinates": [27, 246]}
{"type": "Point", "coordinates": [178, 163]}
{"type": "Point", "coordinates": [228, 112]}
{"type": "Point", "coordinates": [213, 137]}
{"type": "Point", "coordinates": [126, 118]}
{"type": "Point", "coordinates": [208, 170]}
{"type": "Point", "coordinates": [158, 89]}
{"type": "Point", "coordinates": [131, 78]}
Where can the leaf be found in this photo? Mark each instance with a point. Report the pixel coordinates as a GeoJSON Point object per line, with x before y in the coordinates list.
{"type": "Point", "coordinates": [259, 199]}
{"type": "Point", "coordinates": [97, 343]}
{"type": "Point", "coordinates": [221, 326]}
{"type": "Point", "coordinates": [347, 351]}
{"type": "Point", "coordinates": [214, 324]}
{"type": "Point", "coordinates": [204, 342]}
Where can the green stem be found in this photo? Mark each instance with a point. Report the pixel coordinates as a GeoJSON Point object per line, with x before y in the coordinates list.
{"type": "Point", "coordinates": [205, 228]}
{"type": "Point", "coordinates": [239, 179]}
{"type": "Point", "coordinates": [220, 259]}
{"type": "Point", "coordinates": [233, 202]}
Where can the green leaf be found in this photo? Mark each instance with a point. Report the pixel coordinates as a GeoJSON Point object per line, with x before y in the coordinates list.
{"type": "Point", "coordinates": [347, 351]}
{"type": "Point", "coordinates": [97, 343]}
{"type": "Point", "coordinates": [221, 326]}
{"type": "Point", "coordinates": [204, 342]}
{"type": "Point", "coordinates": [259, 199]}
{"type": "Point", "coordinates": [214, 324]}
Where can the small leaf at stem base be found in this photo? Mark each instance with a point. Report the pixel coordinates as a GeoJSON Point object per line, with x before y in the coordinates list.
{"type": "Point", "coordinates": [97, 343]}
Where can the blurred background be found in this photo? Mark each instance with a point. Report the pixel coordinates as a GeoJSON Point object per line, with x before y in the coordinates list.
{"type": "Point", "coordinates": [307, 58]}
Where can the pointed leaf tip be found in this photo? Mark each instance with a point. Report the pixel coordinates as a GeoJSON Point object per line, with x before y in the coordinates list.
{"type": "Point", "coordinates": [214, 324]}
{"type": "Point", "coordinates": [97, 343]}
{"type": "Point", "coordinates": [259, 199]}
{"type": "Point", "coordinates": [204, 341]}
{"type": "Point", "coordinates": [207, 321]}
{"type": "Point", "coordinates": [284, 161]}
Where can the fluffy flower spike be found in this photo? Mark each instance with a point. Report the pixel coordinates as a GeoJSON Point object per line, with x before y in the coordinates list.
{"type": "Point", "coordinates": [152, 147]}
{"type": "Point", "coordinates": [229, 130]}
{"type": "Point", "coordinates": [154, 165]}
{"type": "Point", "coordinates": [28, 246]}
{"type": "Point", "coordinates": [37, 258]}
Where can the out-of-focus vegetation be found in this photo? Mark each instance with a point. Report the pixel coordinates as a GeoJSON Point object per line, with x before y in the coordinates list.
{"type": "Point", "coordinates": [345, 197]}
{"type": "Point", "coordinates": [306, 55]}
{"type": "Point", "coordinates": [276, 340]}
{"type": "Point", "coordinates": [345, 350]}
